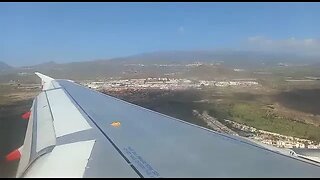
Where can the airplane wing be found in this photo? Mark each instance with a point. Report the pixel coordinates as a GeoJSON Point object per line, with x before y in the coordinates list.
{"type": "Point", "coordinates": [74, 131]}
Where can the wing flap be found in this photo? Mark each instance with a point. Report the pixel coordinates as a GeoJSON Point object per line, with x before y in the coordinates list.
{"type": "Point", "coordinates": [46, 135]}
{"type": "Point", "coordinates": [69, 160]}
{"type": "Point", "coordinates": [67, 118]}
{"type": "Point", "coordinates": [40, 136]}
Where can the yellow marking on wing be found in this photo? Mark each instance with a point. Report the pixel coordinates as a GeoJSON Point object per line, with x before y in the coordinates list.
{"type": "Point", "coordinates": [116, 124]}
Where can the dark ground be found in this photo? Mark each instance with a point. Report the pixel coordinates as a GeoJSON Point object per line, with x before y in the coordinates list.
{"type": "Point", "coordinates": [305, 100]}
{"type": "Point", "coordinates": [12, 133]}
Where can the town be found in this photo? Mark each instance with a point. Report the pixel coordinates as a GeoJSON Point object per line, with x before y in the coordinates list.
{"type": "Point", "coordinates": [262, 136]}
{"type": "Point", "coordinates": [165, 83]}
{"type": "Point", "coordinates": [274, 139]}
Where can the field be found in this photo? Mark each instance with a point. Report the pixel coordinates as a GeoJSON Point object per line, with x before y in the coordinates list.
{"type": "Point", "coordinates": [253, 115]}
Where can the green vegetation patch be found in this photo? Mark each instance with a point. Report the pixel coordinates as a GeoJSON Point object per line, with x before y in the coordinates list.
{"type": "Point", "coordinates": [253, 115]}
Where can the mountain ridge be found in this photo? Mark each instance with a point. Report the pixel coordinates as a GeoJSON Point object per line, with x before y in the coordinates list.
{"type": "Point", "coordinates": [148, 64]}
{"type": "Point", "coordinates": [4, 66]}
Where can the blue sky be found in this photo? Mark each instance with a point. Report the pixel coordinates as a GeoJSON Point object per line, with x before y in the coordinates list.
{"type": "Point", "coordinates": [32, 33]}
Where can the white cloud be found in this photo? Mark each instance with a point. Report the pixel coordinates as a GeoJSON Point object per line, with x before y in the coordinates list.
{"type": "Point", "coordinates": [309, 46]}
{"type": "Point", "coordinates": [255, 38]}
{"type": "Point", "coordinates": [181, 29]}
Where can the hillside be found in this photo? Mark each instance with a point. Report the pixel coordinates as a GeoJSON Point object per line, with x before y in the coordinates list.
{"type": "Point", "coordinates": [158, 64]}
{"type": "Point", "coordinates": [4, 66]}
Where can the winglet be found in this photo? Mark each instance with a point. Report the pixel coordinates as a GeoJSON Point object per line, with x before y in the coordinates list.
{"type": "Point", "coordinates": [45, 80]}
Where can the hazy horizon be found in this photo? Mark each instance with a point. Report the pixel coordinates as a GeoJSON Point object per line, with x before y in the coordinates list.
{"type": "Point", "coordinates": [225, 51]}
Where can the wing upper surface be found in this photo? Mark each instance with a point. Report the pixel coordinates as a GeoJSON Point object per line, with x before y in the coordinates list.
{"type": "Point", "coordinates": [144, 143]}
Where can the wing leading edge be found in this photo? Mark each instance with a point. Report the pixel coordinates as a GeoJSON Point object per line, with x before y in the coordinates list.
{"type": "Point", "coordinates": [107, 137]}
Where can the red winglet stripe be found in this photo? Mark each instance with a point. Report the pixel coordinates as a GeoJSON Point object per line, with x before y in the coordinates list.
{"type": "Point", "coordinates": [14, 155]}
{"type": "Point", "coordinates": [26, 115]}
